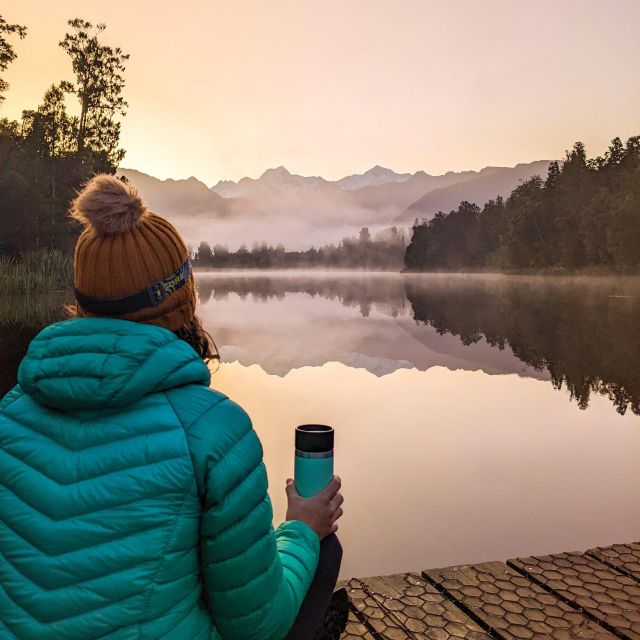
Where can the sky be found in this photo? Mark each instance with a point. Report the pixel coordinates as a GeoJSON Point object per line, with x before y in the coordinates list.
{"type": "Point", "coordinates": [222, 90]}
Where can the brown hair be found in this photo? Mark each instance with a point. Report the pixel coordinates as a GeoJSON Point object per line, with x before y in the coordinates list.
{"type": "Point", "coordinates": [192, 332]}
{"type": "Point", "coordinates": [200, 339]}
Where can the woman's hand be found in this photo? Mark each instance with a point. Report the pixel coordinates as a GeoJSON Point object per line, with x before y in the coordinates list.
{"type": "Point", "coordinates": [321, 511]}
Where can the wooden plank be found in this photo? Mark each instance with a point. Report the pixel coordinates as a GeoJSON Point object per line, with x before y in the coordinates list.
{"type": "Point", "coordinates": [602, 592]}
{"type": "Point", "coordinates": [624, 557]}
{"type": "Point", "coordinates": [379, 619]}
{"type": "Point", "coordinates": [355, 629]}
{"type": "Point", "coordinates": [425, 612]}
{"type": "Point", "coordinates": [511, 606]}
{"type": "Point", "coordinates": [410, 607]}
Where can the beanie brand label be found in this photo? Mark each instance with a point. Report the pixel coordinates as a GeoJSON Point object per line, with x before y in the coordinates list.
{"type": "Point", "coordinates": [160, 290]}
{"type": "Point", "coordinates": [153, 295]}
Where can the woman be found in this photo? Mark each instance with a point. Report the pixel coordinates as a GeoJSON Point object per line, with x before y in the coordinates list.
{"type": "Point", "coordinates": [134, 500]}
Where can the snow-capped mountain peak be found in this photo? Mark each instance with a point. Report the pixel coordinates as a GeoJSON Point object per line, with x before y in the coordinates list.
{"type": "Point", "coordinates": [375, 176]}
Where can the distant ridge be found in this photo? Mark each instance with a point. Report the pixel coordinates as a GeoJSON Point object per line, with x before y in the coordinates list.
{"type": "Point", "coordinates": [301, 211]}
{"type": "Point", "coordinates": [276, 177]}
{"type": "Point", "coordinates": [187, 196]}
{"type": "Point", "coordinates": [373, 177]}
{"type": "Point", "coordinates": [491, 183]}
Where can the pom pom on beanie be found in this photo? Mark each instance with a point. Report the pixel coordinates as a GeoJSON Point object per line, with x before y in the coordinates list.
{"type": "Point", "coordinates": [108, 205]}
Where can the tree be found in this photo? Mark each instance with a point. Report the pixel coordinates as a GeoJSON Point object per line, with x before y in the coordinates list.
{"type": "Point", "coordinates": [364, 236]}
{"type": "Point", "coordinates": [490, 228]}
{"type": "Point", "coordinates": [49, 133]}
{"type": "Point", "coordinates": [99, 72]}
{"type": "Point", "coordinates": [7, 52]}
{"type": "Point", "coordinates": [553, 175]}
{"type": "Point", "coordinates": [524, 236]}
{"type": "Point", "coordinates": [614, 155]}
{"type": "Point", "coordinates": [204, 255]}
{"type": "Point", "coordinates": [220, 249]}
{"type": "Point", "coordinates": [49, 129]}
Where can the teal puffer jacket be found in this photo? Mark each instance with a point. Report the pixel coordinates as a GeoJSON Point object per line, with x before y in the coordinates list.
{"type": "Point", "coordinates": [133, 498]}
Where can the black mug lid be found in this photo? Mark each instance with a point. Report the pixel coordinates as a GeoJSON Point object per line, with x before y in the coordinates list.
{"type": "Point", "coordinates": [314, 438]}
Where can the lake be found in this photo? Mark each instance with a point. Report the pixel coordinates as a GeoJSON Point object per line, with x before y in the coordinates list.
{"type": "Point", "coordinates": [477, 417]}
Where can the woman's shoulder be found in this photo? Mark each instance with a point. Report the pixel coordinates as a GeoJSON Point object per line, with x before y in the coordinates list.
{"type": "Point", "coordinates": [211, 419]}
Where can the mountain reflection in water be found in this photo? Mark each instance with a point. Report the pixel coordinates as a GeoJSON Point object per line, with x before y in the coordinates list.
{"type": "Point", "coordinates": [579, 333]}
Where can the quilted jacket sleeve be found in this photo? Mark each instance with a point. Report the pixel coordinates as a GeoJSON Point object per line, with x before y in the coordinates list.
{"type": "Point", "coordinates": [10, 396]}
{"type": "Point", "coordinates": [255, 578]}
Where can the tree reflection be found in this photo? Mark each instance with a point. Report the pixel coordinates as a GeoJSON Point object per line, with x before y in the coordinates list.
{"type": "Point", "coordinates": [584, 332]}
{"type": "Point", "coordinates": [362, 291]}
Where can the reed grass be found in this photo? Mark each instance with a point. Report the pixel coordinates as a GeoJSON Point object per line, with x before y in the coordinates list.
{"type": "Point", "coordinates": [41, 271]}
{"type": "Point", "coordinates": [33, 311]}
{"type": "Point", "coordinates": [34, 287]}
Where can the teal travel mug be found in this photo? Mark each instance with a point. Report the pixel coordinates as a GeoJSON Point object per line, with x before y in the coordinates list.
{"type": "Point", "coordinates": [314, 458]}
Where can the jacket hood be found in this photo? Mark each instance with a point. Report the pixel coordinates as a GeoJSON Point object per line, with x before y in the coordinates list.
{"type": "Point", "coordinates": [98, 363]}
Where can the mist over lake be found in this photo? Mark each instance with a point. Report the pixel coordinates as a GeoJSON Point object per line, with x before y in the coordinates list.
{"type": "Point", "coordinates": [476, 417]}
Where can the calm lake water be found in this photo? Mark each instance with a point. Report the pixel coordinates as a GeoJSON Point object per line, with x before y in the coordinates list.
{"type": "Point", "coordinates": [477, 417]}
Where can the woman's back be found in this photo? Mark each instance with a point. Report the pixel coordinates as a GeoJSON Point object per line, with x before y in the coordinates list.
{"type": "Point", "coordinates": [133, 502]}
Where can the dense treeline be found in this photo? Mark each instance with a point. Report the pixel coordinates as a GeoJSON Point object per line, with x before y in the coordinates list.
{"type": "Point", "coordinates": [383, 251]}
{"type": "Point", "coordinates": [585, 213]}
{"type": "Point", "coordinates": [49, 153]}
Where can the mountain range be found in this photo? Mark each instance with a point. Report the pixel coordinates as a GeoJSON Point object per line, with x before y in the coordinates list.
{"type": "Point", "coordinates": [301, 211]}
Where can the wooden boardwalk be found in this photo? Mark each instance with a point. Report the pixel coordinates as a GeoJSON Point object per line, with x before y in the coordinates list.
{"type": "Point", "coordinates": [595, 594]}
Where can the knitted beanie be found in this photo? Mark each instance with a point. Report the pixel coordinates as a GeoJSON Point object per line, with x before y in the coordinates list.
{"type": "Point", "coordinates": [129, 262]}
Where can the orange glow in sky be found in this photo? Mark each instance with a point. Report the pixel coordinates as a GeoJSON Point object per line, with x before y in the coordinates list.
{"type": "Point", "coordinates": [228, 89]}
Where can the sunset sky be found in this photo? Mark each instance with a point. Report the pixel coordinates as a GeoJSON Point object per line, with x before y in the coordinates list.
{"type": "Point", "coordinates": [333, 87]}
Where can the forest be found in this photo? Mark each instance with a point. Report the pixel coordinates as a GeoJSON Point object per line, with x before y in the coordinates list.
{"type": "Point", "coordinates": [384, 251]}
{"type": "Point", "coordinates": [585, 214]}
{"type": "Point", "coordinates": [49, 153]}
